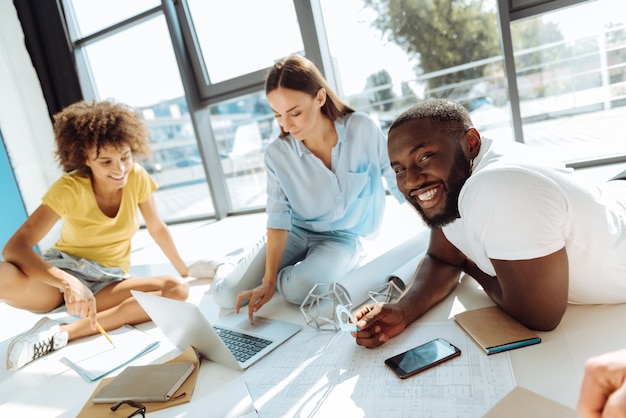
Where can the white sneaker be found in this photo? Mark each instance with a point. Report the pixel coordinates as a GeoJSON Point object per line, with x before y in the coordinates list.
{"type": "Point", "coordinates": [41, 339]}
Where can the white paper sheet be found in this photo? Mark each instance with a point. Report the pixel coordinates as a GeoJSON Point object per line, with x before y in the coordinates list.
{"type": "Point", "coordinates": [322, 373]}
{"type": "Point", "coordinates": [96, 358]}
{"type": "Point", "coordinates": [375, 273]}
{"type": "Point", "coordinates": [231, 401]}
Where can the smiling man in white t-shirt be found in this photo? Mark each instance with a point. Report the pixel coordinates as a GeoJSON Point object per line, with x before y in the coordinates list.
{"type": "Point", "coordinates": [532, 233]}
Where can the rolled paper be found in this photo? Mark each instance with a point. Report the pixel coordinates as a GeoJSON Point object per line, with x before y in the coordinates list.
{"type": "Point", "coordinates": [401, 261]}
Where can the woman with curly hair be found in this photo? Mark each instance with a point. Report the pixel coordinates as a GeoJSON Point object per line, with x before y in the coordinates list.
{"type": "Point", "coordinates": [87, 269]}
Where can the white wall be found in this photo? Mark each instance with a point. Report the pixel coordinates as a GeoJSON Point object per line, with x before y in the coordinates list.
{"type": "Point", "coordinates": [24, 120]}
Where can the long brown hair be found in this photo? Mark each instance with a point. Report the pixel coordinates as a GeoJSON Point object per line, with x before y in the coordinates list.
{"type": "Point", "coordinates": [298, 73]}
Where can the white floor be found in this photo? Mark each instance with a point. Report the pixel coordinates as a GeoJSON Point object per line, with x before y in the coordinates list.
{"type": "Point", "coordinates": [200, 240]}
{"type": "Point", "coordinates": [231, 236]}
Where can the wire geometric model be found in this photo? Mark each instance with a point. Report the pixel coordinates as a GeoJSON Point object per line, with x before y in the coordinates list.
{"type": "Point", "coordinates": [389, 291]}
{"type": "Point", "coordinates": [319, 307]}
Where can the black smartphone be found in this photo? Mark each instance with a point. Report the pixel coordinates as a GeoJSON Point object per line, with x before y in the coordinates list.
{"type": "Point", "coordinates": [422, 357]}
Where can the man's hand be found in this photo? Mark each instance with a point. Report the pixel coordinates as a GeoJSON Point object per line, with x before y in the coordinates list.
{"type": "Point", "coordinates": [603, 391]}
{"type": "Point", "coordinates": [378, 323]}
{"type": "Point", "coordinates": [258, 297]}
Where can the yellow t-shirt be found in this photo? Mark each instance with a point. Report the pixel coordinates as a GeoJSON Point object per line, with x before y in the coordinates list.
{"type": "Point", "coordinates": [88, 233]}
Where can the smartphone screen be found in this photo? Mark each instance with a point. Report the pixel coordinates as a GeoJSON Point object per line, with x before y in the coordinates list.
{"type": "Point", "coordinates": [422, 357]}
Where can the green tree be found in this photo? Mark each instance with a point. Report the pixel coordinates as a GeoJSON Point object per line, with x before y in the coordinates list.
{"type": "Point", "coordinates": [441, 34]}
{"type": "Point", "coordinates": [408, 95]}
{"type": "Point", "coordinates": [531, 34]}
{"type": "Point", "coordinates": [616, 42]}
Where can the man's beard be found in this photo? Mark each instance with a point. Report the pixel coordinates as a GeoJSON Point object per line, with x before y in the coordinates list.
{"type": "Point", "coordinates": [458, 176]}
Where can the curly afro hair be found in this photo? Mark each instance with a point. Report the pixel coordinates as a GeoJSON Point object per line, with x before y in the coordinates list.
{"type": "Point", "coordinates": [82, 126]}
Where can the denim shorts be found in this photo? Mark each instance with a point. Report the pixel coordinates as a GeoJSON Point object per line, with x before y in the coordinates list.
{"type": "Point", "coordinates": [90, 273]}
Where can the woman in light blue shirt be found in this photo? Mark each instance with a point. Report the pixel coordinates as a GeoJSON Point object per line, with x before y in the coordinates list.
{"type": "Point", "coordinates": [324, 192]}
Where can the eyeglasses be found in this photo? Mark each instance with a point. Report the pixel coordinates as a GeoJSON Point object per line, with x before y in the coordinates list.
{"type": "Point", "coordinates": [141, 408]}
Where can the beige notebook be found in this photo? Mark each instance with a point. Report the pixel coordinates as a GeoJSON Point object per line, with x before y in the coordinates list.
{"type": "Point", "coordinates": [494, 330]}
{"type": "Point", "coordinates": [149, 383]}
{"type": "Point", "coordinates": [524, 403]}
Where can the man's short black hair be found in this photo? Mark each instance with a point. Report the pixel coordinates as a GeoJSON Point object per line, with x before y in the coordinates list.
{"type": "Point", "coordinates": [451, 117]}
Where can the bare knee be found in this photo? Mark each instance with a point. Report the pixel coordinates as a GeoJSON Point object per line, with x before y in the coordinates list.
{"type": "Point", "coordinates": [10, 274]}
{"type": "Point", "coordinates": [8, 279]}
{"type": "Point", "coordinates": [174, 288]}
{"type": "Point", "coordinates": [19, 291]}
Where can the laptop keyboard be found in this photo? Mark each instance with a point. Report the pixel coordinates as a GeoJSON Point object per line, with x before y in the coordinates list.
{"type": "Point", "coordinates": [242, 346]}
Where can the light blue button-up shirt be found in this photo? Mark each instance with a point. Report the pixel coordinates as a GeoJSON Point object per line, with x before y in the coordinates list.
{"type": "Point", "coordinates": [349, 197]}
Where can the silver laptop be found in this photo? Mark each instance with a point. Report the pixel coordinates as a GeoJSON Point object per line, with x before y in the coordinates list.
{"type": "Point", "coordinates": [233, 341]}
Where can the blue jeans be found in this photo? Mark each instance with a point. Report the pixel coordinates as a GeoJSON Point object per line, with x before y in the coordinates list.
{"type": "Point", "coordinates": [309, 258]}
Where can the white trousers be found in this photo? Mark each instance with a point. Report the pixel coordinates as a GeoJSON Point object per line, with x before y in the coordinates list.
{"type": "Point", "coordinates": [309, 258]}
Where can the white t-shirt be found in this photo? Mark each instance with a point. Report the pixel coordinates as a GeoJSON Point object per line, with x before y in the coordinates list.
{"type": "Point", "coordinates": [518, 206]}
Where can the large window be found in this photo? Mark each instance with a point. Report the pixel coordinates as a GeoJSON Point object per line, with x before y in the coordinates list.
{"type": "Point", "coordinates": [242, 128]}
{"type": "Point", "coordinates": [571, 76]}
{"type": "Point", "coordinates": [137, 66]}
{"type": "Point", "coordinates": [231, 52]}
{"type": "Point", "coordinates": [388, 58]}
{"type": "Point", "coordinates": [93, 16]}
{"type": "Point", "coordinates": [233, 43]}
{"type": "Point", "coordinates": [554, 79]}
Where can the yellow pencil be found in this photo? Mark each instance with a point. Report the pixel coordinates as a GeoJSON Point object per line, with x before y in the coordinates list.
{"type": "Point", "coordinates": [103, 332]}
